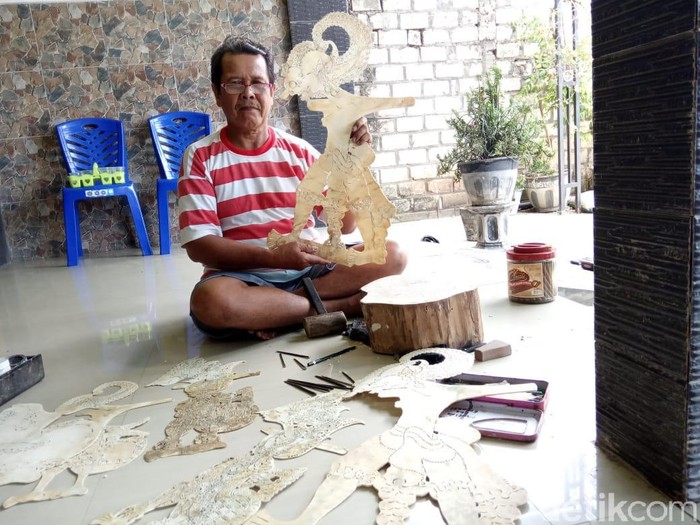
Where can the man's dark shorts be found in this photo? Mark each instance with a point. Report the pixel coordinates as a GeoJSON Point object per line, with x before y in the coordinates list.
{"type": "Point", "coordinates": [288, 281]}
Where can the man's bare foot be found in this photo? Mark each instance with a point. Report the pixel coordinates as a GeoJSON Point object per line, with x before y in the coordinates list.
{"type": "Point", "coordinates": [264, 335]}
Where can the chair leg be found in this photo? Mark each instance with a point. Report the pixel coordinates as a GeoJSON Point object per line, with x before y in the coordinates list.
{"type": "Point", "coordinates": [139, 223]}
{"type": "Point", "coordinates": [77, 230]}
{"type": "Point", "coordinates": [163, 219]}
{"type": "Point", "coordinates": [72, 227]}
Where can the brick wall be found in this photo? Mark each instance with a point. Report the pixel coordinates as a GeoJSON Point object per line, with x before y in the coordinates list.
{"type": "Point", "coordinates": [434, 50]}
{"type": "Point", "coordinates": [131, 59]}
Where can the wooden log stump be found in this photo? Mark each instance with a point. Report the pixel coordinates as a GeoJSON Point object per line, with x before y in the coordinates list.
{"type": "Point", "coordinates": [408, 313]}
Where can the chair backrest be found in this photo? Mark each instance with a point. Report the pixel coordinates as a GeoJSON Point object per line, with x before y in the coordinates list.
{"type": "Point", "coordinates": [88, 141]}
{"type": "Point", "coordinates": [171, 133]}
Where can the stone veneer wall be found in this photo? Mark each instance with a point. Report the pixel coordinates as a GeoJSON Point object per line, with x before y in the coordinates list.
{"type": "Point", "coordinates": [126, 59]}
{"type": "Point", "coordinates": [131, 59]}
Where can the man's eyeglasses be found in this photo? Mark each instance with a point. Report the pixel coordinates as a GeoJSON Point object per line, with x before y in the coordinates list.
{"type": "Point", "coordinates": [236, 88]}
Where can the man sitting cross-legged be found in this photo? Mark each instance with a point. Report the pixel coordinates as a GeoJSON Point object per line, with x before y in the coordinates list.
{"type": "Point", "coordinates": [238, 184]}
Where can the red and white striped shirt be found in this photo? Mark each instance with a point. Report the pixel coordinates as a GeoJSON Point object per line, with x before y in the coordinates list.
{"type": "Point", "coordinates": [242, 194]}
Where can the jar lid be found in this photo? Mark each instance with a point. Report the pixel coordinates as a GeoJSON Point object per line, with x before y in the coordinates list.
{"type": "Point", "coordinates": [530, 251]}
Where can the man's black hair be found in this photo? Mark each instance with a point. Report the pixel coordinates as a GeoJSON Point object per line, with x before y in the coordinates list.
{"type": "Point", "coordinates": [240, 46]}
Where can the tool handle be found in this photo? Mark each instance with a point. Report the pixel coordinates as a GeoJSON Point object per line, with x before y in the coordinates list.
{"type": "Point", "coordinates": [329, 356]}
{"type": "Point", "coordinates": [313, 295]}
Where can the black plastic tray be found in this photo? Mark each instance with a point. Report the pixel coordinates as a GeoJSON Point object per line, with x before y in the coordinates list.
{"type": "Point", "coordinates": [497, 420]}
{"type": "Point", "coordinates": [515, 417]}
{"type": "Point", "coordinates": [25, 371]}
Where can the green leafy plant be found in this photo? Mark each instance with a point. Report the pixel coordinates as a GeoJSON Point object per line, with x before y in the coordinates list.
{"type": "Point", "coordinates": [539, 89]}
{"type": "Point", "coordinates": [492, 126]}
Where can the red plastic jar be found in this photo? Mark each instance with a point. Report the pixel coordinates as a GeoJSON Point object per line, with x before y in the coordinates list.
{"type": "Point", "coordinates": [531, 273]}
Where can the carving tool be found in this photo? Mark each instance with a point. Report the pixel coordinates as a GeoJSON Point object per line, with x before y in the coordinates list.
{"type": "Point", "coordinates": [586, 263]}
{"type": "Point", "coordinates": [314, 386]}
{"type": "Point", "coordinates": [324, 322]}
{"type": "Point", "coordinates": [310, 392]}
{"type": "Point", "coordinates": [292, 354]}
{"type": "Point", "coordinates": [470, 349]}
{"type": "Point", "coordinates": [335, 382]}
{"type": "Point", "coordinates": [329, 356]}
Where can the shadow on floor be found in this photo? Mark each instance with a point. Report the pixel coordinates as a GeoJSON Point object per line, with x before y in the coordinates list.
{"type": "Point", "coordinates": [584, 297]}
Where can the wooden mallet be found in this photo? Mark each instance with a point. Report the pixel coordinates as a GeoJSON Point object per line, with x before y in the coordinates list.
{"type": "Point", "coordinates": [324, 323]}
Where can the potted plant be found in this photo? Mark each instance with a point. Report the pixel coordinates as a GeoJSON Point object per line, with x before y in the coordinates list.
{"type": "Point", "coordinates": [541, 180]}
{"type": "Point", "coordinates": [541, 185]}
{"type": "Point", "coordinates": [540, 90]}
{"type": "Point", "coordinates": [490, 136]}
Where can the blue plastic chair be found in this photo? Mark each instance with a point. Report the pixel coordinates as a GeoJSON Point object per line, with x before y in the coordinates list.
{"type": "Point", "coordinates": [171, 133]}
{"type": "Point", "coordinates": [87, 144]}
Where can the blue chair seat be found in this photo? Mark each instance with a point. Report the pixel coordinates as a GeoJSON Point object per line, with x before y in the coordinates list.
{"type": "Point", "coordinates": [87, 145]}
{"type": "Point", "coordinates": [171, 133]}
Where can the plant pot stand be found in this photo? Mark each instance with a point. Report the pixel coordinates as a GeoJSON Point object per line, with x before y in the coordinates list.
{"type": "Point", "coordinates": [487, 225]}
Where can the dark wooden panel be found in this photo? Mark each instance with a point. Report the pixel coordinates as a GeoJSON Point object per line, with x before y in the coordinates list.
{"type": "Point", "coordinates": [303, 15]}
{"type": "Point", "coordinates": [642, 282]}
{"type": "Point", "coordinates": [639, 418]}
{"type": "Point", "coordinates": [693, 444]}
{"type": "Point", "coordinates": [647, 274]}
{"type": "Point", "coordinates": [311, 128]}
{"type": "Point", "coordinates": [642, 285]}
{"type": "Point", "coordinates": [619, 25]}
{"type": "Point", "coordinates": [643, 128]}
{"type": "Point", "coordinates": [301, 31]}
{"type": "Point", "coordinates": [313, 10]}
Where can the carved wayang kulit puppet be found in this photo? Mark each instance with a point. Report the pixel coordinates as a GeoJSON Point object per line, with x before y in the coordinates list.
{"type": "Point", "coordinates": [340, 180]}
{"type": "Point", "coordinates": [419, 457]}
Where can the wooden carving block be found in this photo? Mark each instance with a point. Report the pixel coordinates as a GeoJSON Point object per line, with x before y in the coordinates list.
{"type": "Point", "coordinates": [406, 313]}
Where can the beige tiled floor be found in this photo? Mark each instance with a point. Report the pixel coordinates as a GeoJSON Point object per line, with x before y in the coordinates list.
{"type": "Point", "coordinates": [65, 314]}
